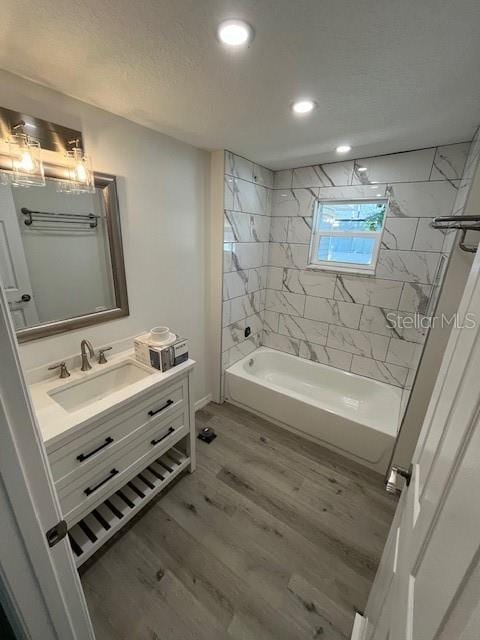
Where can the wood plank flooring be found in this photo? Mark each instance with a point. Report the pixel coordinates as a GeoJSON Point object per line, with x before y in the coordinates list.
{"type": "Point", "coordinates": [272, 538]}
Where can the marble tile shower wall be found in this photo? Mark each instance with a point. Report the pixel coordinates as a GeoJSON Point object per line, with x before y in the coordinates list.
{"type": "Point", "coordinates": [247, 215]}
{"type": "Point", "coordinates": [344, 320]}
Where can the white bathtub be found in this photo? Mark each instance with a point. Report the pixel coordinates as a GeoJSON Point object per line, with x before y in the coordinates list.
{"type": "Point", "coordinates": [352, 415]}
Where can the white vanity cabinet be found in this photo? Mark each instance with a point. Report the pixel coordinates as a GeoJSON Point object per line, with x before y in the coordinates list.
{"type": "Point", "coordinates": [118, 452]}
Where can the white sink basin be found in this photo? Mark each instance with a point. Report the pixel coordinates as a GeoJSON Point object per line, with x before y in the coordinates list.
{"type": "Point", "coordinates": [81, 393]}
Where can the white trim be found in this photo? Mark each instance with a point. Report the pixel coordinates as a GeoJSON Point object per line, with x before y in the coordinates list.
{"type": "Point", "coordinates": [192, 443]}
{"type": "Point", "coordinates": [345, 267]}
{"type": "Point", "coordinates": [320, 266]}
{"type": "Point", "coordinates": [21, 600]}
{"type": "Point", "coordinates": [199, 404]}
{"type": "Point", "coordinates": [359, 626]}
{"type": "Point", "coordinates": [34, 506]}
{"type": "Point", "coordinates": [215, 236]}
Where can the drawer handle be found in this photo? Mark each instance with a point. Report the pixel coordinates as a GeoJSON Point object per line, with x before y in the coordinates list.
{"type": "Point", "coordinates": [165, 406]}
{"type": "Point", "coordinates": [169, 432]}
{"type": "Point", "coordinates": [90, 490]}
{"type": "Point", "coordinates": [84, 456]}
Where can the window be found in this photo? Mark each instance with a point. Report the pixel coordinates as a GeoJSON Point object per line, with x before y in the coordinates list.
{"type": "Point", "coordinates": [346, 234]}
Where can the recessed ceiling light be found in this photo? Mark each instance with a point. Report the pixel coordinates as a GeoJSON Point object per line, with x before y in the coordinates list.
{"type": "Point", "coordinates": [362, 169]}
{"type": "Point", "coordinates": [344, 148]}
{"type": "Point", "coordinates": [235, 33]}
{"type": "Point", "coordinates": [303, 106]}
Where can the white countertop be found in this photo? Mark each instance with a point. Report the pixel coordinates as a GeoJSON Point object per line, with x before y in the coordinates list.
{"type": "Point", "coordinates": [57, 424]}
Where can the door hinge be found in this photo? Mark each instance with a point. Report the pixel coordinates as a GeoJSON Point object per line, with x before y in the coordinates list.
{"type": "Point", "coordinates": [393, 483]}
{"type": "Point", "coordinates": [56, 533]}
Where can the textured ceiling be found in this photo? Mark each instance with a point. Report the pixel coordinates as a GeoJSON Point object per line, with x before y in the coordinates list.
{"type": "Point", "coordinates": [388, 75]}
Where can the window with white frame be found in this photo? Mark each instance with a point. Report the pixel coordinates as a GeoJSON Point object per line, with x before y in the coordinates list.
{"type": "Point", "coordinates": [346, 234]}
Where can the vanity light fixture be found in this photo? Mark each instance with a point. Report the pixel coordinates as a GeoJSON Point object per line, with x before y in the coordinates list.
{"type": "Point", "coordinates": [26, 158]}
{"type": "Point", "coordinates": [23, 157]}
{"type": "Point", "coordinates": [343, 148]}
{"type": "Point", "coordinates": [301, 107]}
{"type": "Point", "coordinates": [79, 174]}
{"type": "Point", "coordinates": [235, 33]}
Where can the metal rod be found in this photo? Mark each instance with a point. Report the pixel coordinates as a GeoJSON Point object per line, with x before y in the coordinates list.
{"type": "Point", "coordinates": [51, 219]}
{"type": "Point", "coordinates": [26, 211]}
{"type": "Point", "coordinates": [61, 229]}
{"type": "Point", "coordinates": [61, 218]}
{"type": "Point", "coordinates": [463, 223]}
{"type": "Point", "coordinates": [457, 222]}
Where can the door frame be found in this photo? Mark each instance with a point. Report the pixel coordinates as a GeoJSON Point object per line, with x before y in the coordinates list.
{"type": "Point", "coordinates": [42, 585]}
{"type": "Point", "coordinates": [15, 255]}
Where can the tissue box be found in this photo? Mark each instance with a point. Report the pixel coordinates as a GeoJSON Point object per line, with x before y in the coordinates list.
{"type": "Point", "coordinates": [142, 348]}
{"type": "Point", "coordinates": [160, 357]}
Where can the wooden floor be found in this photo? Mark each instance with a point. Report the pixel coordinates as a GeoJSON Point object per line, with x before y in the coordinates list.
{"type": "Point", "coordinates": [272, 538]}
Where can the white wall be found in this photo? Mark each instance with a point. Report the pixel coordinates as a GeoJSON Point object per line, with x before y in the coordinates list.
{"type": "Point", "coordinates": [162, 185]}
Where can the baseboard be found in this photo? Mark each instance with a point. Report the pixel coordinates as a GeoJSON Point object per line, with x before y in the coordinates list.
{"type": "Point", "coordinates": [358, 627]}
{"type": "Point", "coordinates": [199, 404]}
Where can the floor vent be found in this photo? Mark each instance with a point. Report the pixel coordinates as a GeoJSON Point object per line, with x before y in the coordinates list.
{"type": "Point", "coordinates": [102, 523]}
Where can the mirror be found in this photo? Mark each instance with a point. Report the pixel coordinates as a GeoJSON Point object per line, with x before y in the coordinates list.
{"type": "Point", "coordinates": [61, 257]}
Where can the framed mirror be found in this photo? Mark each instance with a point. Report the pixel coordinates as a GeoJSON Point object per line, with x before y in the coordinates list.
{"type": "Point", "coordinates": [61, 257]}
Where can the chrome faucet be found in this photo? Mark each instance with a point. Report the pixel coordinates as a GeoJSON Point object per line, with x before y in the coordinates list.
{"type": "Point", "coordinates": [86, 344]}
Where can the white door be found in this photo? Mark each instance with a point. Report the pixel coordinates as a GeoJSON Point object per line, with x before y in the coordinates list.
{"type": "Point", "coordinates": [41, 588]}
{"type": "Point", "coordinates": [13, 265]}
{"type": "Point", "coordinates": [428, 583]}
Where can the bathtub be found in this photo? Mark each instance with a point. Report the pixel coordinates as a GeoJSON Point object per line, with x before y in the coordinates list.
{"type": "Point", "coordinates": [350, 414]}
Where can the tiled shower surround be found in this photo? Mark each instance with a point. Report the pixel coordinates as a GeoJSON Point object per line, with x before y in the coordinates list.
{"type": "Point", "coordinates": [343, 320]}
{"type": "Point", "coordinates": [247, 216]}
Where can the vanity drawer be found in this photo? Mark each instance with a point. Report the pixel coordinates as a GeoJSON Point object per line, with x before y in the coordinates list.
{"type": "Point", "coordinates": [92, 445]}
{"type": "Point", "coordinates": [83, 495]}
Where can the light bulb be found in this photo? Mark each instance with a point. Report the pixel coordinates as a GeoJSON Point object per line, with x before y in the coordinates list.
{"type": "Point", "coordinates": [303, 106]}
{"type": "Point", "coordinates": [235, 33]}
{"type": "Point", "coordinates": [79, 177]}
{"type": "Point", "coordinates": [344, 148]}
{"type": "Point", "coordinates": [26, 159]}
{"type": "Point", "coordinates": [81, 172]}
{"type": "Point", "coordinates": [26, 163]}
